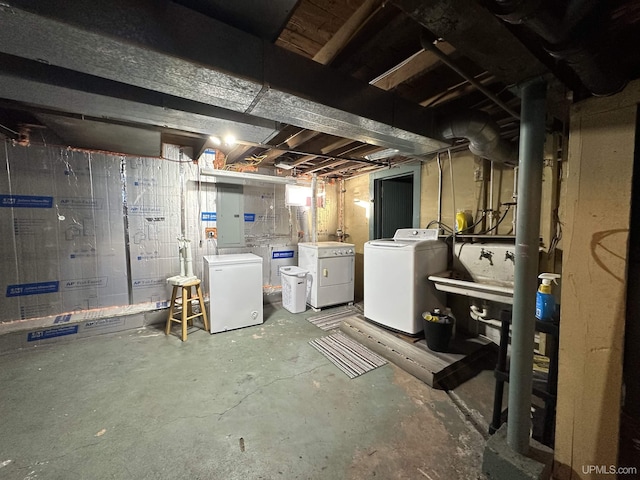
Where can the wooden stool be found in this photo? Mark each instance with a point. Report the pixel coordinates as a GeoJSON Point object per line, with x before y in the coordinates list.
{"type": "Point", "coordinates": [184, 304]}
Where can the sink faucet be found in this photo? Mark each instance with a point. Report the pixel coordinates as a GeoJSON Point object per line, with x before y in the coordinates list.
{"type": "Point", "coordinates": [486, 254]}
{"type": "Point", "coordinates": [510, 256]}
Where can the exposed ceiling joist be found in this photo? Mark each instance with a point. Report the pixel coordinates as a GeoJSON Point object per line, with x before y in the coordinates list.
{"type": "Point", "coordinates": [419, 63]}
{"type": "Point", "coordinates": [163, 38]}
{"type": "Point", "coordinates": [348, 30]}
{"type": "Point", "coordinates": [478, 34]}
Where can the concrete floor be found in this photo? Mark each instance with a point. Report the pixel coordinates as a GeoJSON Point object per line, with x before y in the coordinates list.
{"type": "Point", "coordinates": [255, 403]}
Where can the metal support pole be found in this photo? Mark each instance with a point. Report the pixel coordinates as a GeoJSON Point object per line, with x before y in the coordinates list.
{"type": "Point", "coordinates": [532, 134]}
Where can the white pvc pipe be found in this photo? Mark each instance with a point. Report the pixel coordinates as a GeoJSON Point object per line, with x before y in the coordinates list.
{"type": "Point", "coordinates": [181, 256]}
{"type": "Point", "coordinates": [314, 208]}
{"type": "Point", "coordinates": [478, 314]}
{"type": "Point", "coordinates": [187, 258]}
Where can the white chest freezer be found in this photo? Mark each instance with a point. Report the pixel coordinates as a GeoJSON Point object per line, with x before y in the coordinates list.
{"type": "Point", "coordinates": [234, 283]}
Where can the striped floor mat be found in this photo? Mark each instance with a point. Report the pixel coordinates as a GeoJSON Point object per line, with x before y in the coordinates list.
{"type": "Point", "coordinates": [331, 319]}
{"type": "Point", "coordinates": [347, 354]}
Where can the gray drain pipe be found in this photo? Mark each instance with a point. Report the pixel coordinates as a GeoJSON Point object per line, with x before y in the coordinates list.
{"type": "Point", "coordinates": [570, 36]}
{"type": "Point", "coordinates": [532, 133]}
{"type": "Point", "coordinates": [483, 135]}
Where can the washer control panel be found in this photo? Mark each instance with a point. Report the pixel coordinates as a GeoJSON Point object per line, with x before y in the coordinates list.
{"type": "Point", "coordinates": [416, 234]}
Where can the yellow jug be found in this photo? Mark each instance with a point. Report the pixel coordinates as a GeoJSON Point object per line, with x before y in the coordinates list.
{"type": "Point", "coordinates": [461, 221]}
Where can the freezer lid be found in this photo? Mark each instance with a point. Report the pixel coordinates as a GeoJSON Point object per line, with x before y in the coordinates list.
{"type": "Point", "coordinates": [232, 259]}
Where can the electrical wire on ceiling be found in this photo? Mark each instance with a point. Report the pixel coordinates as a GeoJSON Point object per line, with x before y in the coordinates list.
{"type": "Point", "coordinates": [251, 162]}
{"type": "Point", "coordinates": [7, 129]}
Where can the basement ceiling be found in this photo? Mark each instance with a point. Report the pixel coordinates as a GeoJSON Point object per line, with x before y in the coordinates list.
{"type": "Point", "coordinates": [318, 85]}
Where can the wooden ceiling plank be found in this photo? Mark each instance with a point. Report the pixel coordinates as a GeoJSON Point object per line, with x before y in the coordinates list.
{"type": "Point", "coordinates": [284, 133]}
{"type": "Point", "coordinates": [327, 164]}
{"type": "Point", "coordinates": [339, 143]}
{"type": "Point", "coordinates": [311, 20]}
{"type": "Point", "coordinates": [417, 65]}
{"type": "Point", "coordinates": [355, 167]}
{"type": "Point", "coordinates": [304, 159]}
{"type": "Point", "coordinates": [238, 152]}
{"type": "Point", "coordinates": [456, 91]}
{"type": "Point", "coordinates": [338, 8]}
{"type": "Point", "coordinates": [432, 83]}
{"type": "Point", "coordinates": [300, 138]}
{"type": "Point", "coordinates": [348, 30]}
{"type": "Point", "coordinates": [384, 45]}
{"type": "Point", "coordinates": [298, 43]}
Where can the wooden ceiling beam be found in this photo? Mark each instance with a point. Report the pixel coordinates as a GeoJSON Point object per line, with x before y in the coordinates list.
{"type": "Point", "coordinates": [304, 159]}
{"type": "Point", "coordinates": [238, 152]}
{"type": "Point", "coordinates": [299, 138]}
{"type": "Point", "coordinates": [431, 83]}
{"type": "Point", "coordinates": [349, 29]}
{"type": "Point", "coordinates": [456, 91]}
{"type": "Point", "coordinates": [327, 164]}
{"type": "Point", "coordinates": [413, 66]}
{"type": "Point", "coordinates": [339, 143]}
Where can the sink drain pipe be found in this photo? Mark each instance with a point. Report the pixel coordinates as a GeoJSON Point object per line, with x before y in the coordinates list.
{"type": "Point", "coordinates": [532, 135]}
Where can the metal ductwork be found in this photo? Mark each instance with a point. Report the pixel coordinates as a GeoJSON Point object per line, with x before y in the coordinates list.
{"type": "Point", "coordinates": [483, 135]}
{"type": "Point", "coordinates": [165, 48]}
{"type": "Point", "coordinates": [575, 39]}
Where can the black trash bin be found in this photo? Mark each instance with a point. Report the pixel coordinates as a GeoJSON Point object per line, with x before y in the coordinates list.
{"type": "Point", "coordinates": [438, 329]}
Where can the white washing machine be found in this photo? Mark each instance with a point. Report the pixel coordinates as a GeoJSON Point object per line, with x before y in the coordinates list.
{"type": "Point", "coordinates": [396, 288]}
{"type": "Point", "coordinates": [331, 272]}
{"type": "Point", "coordinates": [234, 283]}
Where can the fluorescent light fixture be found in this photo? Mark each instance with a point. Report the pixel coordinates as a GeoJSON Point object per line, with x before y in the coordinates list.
{"type": "Point", "coordinates": [215, 140]}
{"type": "Point", "coordinates": [283, 164]}
{"type": "Point", "coordinates": [241, 178]}
{"type": "Point", "coordinates": [382, 154]}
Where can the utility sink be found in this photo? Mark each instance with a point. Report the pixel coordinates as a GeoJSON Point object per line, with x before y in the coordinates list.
{"type": "Point", "coordinates": [481, 270]}
{"type": "Point", "coordinates": [446, 282]}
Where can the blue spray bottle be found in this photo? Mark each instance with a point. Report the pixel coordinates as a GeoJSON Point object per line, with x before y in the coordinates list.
{"type": "Point", "coordinates": [545, 302]}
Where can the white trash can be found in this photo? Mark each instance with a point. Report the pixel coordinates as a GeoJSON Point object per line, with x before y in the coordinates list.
{"type": "Point", "coordinates": [294, 288]}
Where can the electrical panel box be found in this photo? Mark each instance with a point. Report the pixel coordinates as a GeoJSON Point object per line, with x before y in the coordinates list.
{"type": "Point", "coordinates": [230, 216]}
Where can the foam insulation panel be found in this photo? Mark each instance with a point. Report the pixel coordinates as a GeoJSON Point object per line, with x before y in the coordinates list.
{"type": "Point", "coordinates": [61, 219]}
{"type": "Point", "coordinates": [154, 198]}
{"type": "Point", "coordinates": [85, 231]}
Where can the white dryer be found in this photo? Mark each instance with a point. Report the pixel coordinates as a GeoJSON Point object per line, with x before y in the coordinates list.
{"type": "Point", "coordinates": [396, 288]}
{"type": "Point", "coordinates": [331, 272]}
